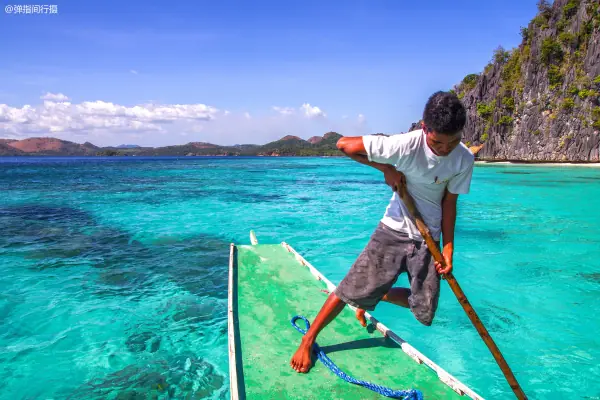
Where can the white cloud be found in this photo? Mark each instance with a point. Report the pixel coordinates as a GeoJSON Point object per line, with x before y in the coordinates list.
{"type": "Point", "coordinates": [133, 71]}
{"type": "Point", "coordinates": [361, 118]}
{"type": "Point", "coordinates": [148, 112]}
{"type": "Point", "coordinates": [312, 112]}
{"type": "Point", "coordinates": [55, 115]}
{"type": "Point", "coordinates": [54, 97]}
{"type": "Point", "coordinates": [153, 124]}
{"type": "Point", "coordinates": [306, 109]}
{"type": "Point", "coordinates": [284, 110]}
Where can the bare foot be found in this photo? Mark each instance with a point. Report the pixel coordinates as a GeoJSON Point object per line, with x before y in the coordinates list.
{"type": "Point", "coordinates": [301, 361]}
{"type": "Point", "coordinates": [360, 316]}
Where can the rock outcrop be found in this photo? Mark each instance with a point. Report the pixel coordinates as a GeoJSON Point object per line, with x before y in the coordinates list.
{"type": "Point", "coordinates": [540, 102]}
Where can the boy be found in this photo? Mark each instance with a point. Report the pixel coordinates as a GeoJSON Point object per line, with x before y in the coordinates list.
{"type": "Point", "coordinates": [435, 167]}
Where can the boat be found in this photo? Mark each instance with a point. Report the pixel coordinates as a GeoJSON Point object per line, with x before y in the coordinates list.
{"type": "Point", "coordinates": [270, 284]}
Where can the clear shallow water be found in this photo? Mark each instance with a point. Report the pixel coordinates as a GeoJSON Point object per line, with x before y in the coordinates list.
{"type": "Point", "coordinates": [113, 272]}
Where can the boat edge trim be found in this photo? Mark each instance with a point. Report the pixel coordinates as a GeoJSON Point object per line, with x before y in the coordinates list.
{"type": "Point", "coordinates": [231, 339]}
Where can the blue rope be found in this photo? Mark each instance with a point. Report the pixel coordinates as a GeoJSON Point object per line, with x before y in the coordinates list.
{"type": "Point", "coordinates": [411, 394]}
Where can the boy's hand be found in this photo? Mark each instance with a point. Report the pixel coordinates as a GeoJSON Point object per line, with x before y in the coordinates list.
{"type": "Point", "coordinates": [447, 253]}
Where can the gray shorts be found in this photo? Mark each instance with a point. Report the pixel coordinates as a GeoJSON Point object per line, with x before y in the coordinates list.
{"type": "Point", "coordinates": [387, 254]}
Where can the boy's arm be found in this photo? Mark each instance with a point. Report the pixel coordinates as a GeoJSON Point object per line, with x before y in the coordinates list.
{"type": "Point", "coordinates": [381, 153]}
{"type": "Point", "coordinates": [448, 223]}
{"type": "Point", "coordinates": [459, 184]}
{"type": "Point", "coordinates": [354, 147]}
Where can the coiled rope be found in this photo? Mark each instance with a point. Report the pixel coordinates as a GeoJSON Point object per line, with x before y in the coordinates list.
{"type": "Point", "coordinates": [411, 394]}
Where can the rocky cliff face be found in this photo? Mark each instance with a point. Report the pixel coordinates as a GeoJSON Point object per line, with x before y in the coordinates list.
{"type": "Point", "coordinates": [541, 100]}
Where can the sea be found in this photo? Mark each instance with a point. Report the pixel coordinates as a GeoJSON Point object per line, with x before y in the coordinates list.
{"type": "Point", "coordinates": [113, 271]}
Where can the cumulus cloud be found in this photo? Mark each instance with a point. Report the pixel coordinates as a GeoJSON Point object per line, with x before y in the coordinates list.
{"type": "Point", "coordinates": [312, 112]}
{"type": "Point", "coordinates": [58, 115]}
{"type": "Point", "coordinates": [284, 110]}
{"type": "Point", "coordinates": [54, 97]}
{"type": "Point", "coordinates": [305, 109]}
{"type": "Point", "coordinates": [106, 123]}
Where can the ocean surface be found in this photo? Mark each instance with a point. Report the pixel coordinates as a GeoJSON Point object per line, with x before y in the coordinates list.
{"type": "Point", "coordinates": [113, 271]}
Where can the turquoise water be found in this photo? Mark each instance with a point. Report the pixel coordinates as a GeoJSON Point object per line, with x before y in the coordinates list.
{"type": "Point", "coordinates": [113, 272]}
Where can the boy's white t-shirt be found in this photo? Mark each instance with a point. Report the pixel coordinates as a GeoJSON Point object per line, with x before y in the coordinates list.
{"type": "Point", "coordinates": [427, 176]}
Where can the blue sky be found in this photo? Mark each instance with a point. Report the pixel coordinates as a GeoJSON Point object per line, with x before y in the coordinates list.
{"type": "Point", "coordinates": [367, 66]}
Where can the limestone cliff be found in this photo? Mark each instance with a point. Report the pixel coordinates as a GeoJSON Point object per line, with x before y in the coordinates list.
{"type": "Point", "coordinates": [541, 100]}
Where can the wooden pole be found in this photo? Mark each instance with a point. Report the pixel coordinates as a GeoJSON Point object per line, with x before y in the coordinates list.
{"type": "Point", "coordinates": [462, 299]}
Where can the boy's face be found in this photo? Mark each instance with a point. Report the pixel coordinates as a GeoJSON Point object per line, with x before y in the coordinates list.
{"type": "Point", "coordinates": [441, 144]}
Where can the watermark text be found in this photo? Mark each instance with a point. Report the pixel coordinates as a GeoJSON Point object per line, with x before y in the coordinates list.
{"type": "Point", "coordinates": [31, 9]}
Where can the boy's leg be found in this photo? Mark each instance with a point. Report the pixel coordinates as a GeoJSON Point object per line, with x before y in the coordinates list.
{"type": "Point", "coordinates": [369, 279]}
{"type": "Point", "coordinates": [396, 295]}
{"type": "Point", "coordinates": [301, 361]}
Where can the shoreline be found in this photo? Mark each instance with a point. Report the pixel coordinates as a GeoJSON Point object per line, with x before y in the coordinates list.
{"type": "Point", "coordinates": [588, 164]}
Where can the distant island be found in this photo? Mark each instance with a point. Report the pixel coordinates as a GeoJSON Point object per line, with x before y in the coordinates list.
{"type": "Point", "coordinates": [316, 146]}
{"type": "Point", "coordinates": [286, 146]}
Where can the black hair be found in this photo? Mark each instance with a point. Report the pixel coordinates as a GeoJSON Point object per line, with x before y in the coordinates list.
{"type": "Point", "coordinates": [444, 113]}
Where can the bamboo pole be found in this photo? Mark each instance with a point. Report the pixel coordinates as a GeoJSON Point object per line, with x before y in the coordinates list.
{"type": "Point", "coordinates": [462, 299]}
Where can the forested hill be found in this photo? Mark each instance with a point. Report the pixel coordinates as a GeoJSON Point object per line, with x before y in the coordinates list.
{"type": "Point", "coordinates": [286, 146]}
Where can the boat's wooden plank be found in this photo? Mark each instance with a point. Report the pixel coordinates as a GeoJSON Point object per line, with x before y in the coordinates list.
{"type": "Point", "coordinates": [272, 288]}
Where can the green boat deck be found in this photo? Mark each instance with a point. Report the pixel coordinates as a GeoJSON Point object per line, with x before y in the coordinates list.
{"type": "Point", "coordinates": [270, 284]}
